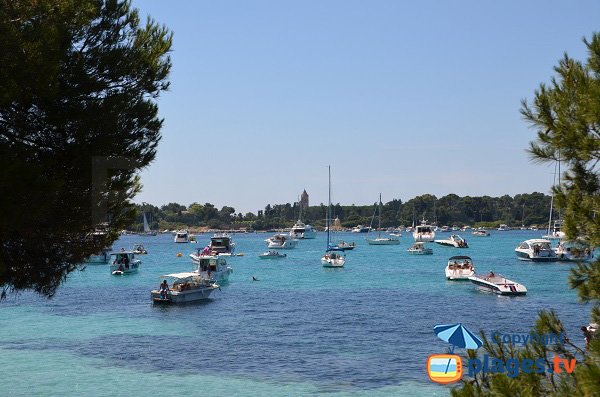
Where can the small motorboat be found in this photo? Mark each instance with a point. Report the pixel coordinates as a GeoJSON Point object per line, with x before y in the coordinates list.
{"type": "Point", "coordinates": [460, 268]}
{"type": "Point", "coordinates": [418, 248]}
{"type": "Point", "coordinates": [333, 259]}
{"type": "Point", "coordinates": [124, 262]}
{"type": "Point", "coordinates": [453, 241]}
{"type": "Point", "coordinates": [498, 284]}
{"type": "Point", "coordinates": [139, 249]}
{"type": "Point", "coordinates": [344, 246]}
{"type": "Point", "coordinates": [574, 251]}
{"type": "Point", "coordinates": [185, 287]}
{"type": "Point", "coordinates": [481, 233]}
{"type": "Point", "coordinates": [281, 241]}
{"type": "Point", "coordinates": [271, 255]}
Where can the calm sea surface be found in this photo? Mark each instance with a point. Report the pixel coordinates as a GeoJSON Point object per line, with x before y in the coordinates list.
{"type": "Point", "coordinates": [364, 330]}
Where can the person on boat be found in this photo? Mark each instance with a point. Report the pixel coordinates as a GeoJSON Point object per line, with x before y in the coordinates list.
{"type": "Point", "coordinates": [491, 274]}
{"type": "Point", "coordinates": [164, 289]}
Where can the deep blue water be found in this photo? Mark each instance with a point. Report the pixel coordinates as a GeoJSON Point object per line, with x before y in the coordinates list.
{"type": "Point", "coordinates": [366, 329]}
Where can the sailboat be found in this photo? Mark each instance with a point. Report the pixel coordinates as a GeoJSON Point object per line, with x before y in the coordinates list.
{"type": "Point", "coordinates": [381, 240]}
{"type": "Point", "coordinates": [554, 230]}
{"type": "Point", "coordinates": [333, 256]}
{"type": "Point", "coordinates": [147, 230]}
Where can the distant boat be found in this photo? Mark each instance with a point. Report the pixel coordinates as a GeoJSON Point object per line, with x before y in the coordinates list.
{"type": "Point", "coordinates": [360, 229]}
{"type": "Point", "coordinates": [344, 246]}
{"type": "Point", "coordinates": [424, 232]}
{"type": "Point", "coordinates": [281, 241]}
{"type": "Point", "coordinates": [481, 233]}
{"type": "Point", "coordinates": [271, 255]}
{"type": "Point", "coordinates": [302, 231]}
{"type": "Point", "coordinates": [418, 248]}
{"type": "Point", "coordinates": [147, 230]}
{"type": "Point", "coordinates": [503, 228]}
{"type": "Point", "coordinates": [181, 236]}
{"type": "Point", "coordinates": [381, 240]}
{"type": "Point", "coordinates": [453, 241]}
{"type": "Point", "coordinates": [333, 257]}
{"type": "Point", "coordinates": [221, 244]}
{"type": "Point", "coordinates": [124, 263]}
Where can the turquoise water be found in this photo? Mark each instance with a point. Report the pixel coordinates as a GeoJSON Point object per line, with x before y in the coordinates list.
{"type": "Point", "coordinates": [364, 330]}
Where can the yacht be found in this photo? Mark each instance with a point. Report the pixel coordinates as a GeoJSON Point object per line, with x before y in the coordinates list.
{"type": "Point", "coordinates": [211, 266]}
{"type": "Point", "coordinates": [424, 232]}
{"type": "Point", "coordinates": [481, 233]}
{"type": "Point", "coordinates": [302, 231]}
{"type": "Point", "coordinates": [343, 246]}
{"type": "Point", "coordinates": [360, 229]}
{"type": "Point", "coordinates": [181, 236]}
{"type": "Point", "coordinates": [459, 268]}
{"type": "Point", "coordinates": [281, 241]}
{"type": "Point", "coordinates": [498, 284]}
{"type": "Point", "coordinates": [453, 241]}
{"type": "Point", "coordinates": [221, 244]}
{"type": "Point", "coordinates": [124, 262]}
{"type": "Point", "coordinates": [418, 248]}
{"type": "Point", "coordinates": [445, 229]}
{"type": "Point", "coordinates": [184, 287]}
{"type": "Point", "coordinates": [503, 228]}
{"type": "Point", "coordinates": [536, 250]}
{"type": "Point", "coordinates": [555, 233]}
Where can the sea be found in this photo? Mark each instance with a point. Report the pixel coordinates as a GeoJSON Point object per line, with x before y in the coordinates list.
{"type": "Point", "coordinates": [299, 330]}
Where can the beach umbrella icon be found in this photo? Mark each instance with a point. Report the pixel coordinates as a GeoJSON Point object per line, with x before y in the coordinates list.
{"type": "Point", "coordinates": [458, 336]}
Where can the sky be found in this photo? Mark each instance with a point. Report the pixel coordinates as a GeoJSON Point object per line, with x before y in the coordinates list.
{"type": "Point", "coordinates": [401, 98]}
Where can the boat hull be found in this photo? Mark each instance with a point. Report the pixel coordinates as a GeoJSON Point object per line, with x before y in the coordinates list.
{"type": "Point", "coordinates": [183, 296]}
{"type": "Point", "coordinates": [383, 241]}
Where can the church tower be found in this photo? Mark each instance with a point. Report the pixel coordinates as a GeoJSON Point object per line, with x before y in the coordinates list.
{"type": "Point", "coordinates": [304, 200]}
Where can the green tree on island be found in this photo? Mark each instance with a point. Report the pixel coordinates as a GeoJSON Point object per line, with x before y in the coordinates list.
{"type": "Point", "coordinates": [566, 115]}
{"type": "Point", "coordinates": [78, 86]}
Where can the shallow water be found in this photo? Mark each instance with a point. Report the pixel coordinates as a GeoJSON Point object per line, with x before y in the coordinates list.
{"type": "Point", "coordinates": [364, 330]}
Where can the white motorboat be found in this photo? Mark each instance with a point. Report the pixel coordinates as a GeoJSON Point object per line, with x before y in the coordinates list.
{"type": "Point", "coordinates": [574, 251]}
{"type": "Point", "coordinates": [281, 241]}
{"type": "Point", "coordinates": [445, 229]}
{"type": "Point", "coordinates": [503, 228]}
{"type": "Point", "coordinates": [302, 231]}
{"type": "Point", "coordinates": [424, 232]}
{"type": "Point", "coordinates": [360, 229]}
{"type": "Point", "coordinates": [124, 262]}
{"type": "Point", "coordinates": [343, 246]}
{"type": "Point", "coordinates": [221, 244]}
{"type": "Point", "coordinates": [498, 284]}
{"type": "Point", "coordinates": [333, 257]}
{"type": "Point", "coordinates": [211, 266]}
{"type": "Point", "coordinates": [184, 287]}
{"type": "Point", "coordinates": [139, 249]}
{"type": "Point", "coordinates": [460, 268]}
{"type": "Point", "coordinates": [392, 240]}
{"type": "Point", "coordinates": [271, 255]}
{"type": "Point", "coordinates": [418, 248]}
{"type": "Point", "coordinates": [481, 233]}
{"type": "Point", "coordinates": [454, 240]}
{"type": "Point", "coordinates": [181, 236]}
{"type": "Point", "coordinates": [536, 250]}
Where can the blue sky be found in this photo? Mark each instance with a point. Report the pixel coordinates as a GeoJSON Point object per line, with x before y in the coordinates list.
{"type": "Point", "coordinates": [400, 97]}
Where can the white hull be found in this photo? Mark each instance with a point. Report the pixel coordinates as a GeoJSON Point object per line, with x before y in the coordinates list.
{"type": "Point", "coordinates": [498, 285]}
{"type": "Point", "coordinates": [424, 251]}
{"type": "Point", "coordinates": [184, 296]}
{"type": "Point", "coordinates": [459, 274]}
{"type": "Point", "coordinates": [328, 262]}
{"type": "Point", "coordinates": [383, 241]}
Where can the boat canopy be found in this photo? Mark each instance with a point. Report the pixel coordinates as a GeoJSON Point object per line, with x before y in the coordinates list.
{"type": "Point", "coordinates": [460, 257]}
{"type": "Point", "coordinates": [181, 275]}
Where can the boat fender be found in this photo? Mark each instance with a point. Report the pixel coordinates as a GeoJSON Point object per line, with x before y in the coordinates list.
{"type": "Point", "coordinates": [179, 254]}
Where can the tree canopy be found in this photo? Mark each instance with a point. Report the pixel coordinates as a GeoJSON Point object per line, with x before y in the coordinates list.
{"type": "Point", "coordinates": [566, 116]}
{"type": "Point", "coordinates": [79, 81]}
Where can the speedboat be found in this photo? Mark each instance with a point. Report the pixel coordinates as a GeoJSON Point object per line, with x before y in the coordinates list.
{"type": "Point", "coordinates": [460, 268]}
{"type": "Point", "coordinates": [573, 251]}
{"type": "Point", "coordinates": [503, 228]}
{"type": "Point", "coordinates": [481, 233]}
{"type": "Point", "coordinates": [498, 284]}
{"type": "Point", "coordinates": [344, 246]}
{"type": "Point", "coordinates": [124, 262]}
{"type": "Point", "coordinates": [181, 236]}
{"type": "Point", "coordinates": [302, 231]}
{"type": "Point", "coordinates": [453, 241]}
{"type": "Point", "coordinates": [445, 229]}
{"type": "Point", "coordinates": [418, 248]}
{"type": "Point", "coordinates": [281, 241]}
{"type": "Point", "coordinates": [184, 287]}
{"type": "Point", "coordinates": [536, 250]}
{"type": "Point", "coordinates": [424, 232]}
{"type": "Point", "coordinates": [221, 244]}
{"type": "Point", "coordinates": [139, 249]}
{"type": "Point", "coordinates": [360, 229]}
{"type": "Point", "coordinates": [211, 266]}
{"type": "Point", "coordinates": [271, 255]}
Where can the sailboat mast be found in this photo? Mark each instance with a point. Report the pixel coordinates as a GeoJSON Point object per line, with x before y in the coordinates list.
{"type": "Point", "coordinates": [328, 207]}
{"type": "Point", "coordinates": [379, 223]}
